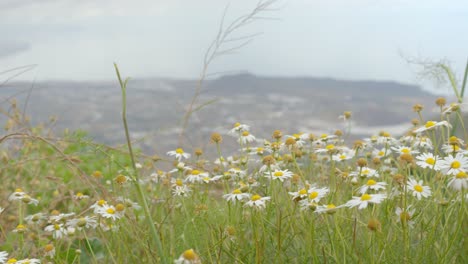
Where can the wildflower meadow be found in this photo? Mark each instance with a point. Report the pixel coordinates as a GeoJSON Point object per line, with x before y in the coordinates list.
{"type": "Point", "coordinates": [280, 197]}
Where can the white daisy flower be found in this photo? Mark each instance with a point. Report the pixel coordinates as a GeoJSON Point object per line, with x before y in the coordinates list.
{"type": "Point", "coordinates": [299, 195]}
{"type": "Point", "coordinates": [459, 181]}
{"type": "Point", "coordinates": [365, 172]}
{"type": "Point", "coordinates": [58, 230]}
{"type": "Point", "coordinates": [88, 222]}
{"type": "Point", "coordinates": [281, 175]}
{"type": "Point", "coordinates": [257, 202]}
{"type": "Point", "coordinates": [98, 205]}
{"type": "Point", "coordinates": [405, 216]}
{"type": "Point", "coordinates": [180, 189]}
{"type": "Point", "coordinates": [236, 195]}
{"type": "Point", "coordinates": [245, 137]}
{"type": "Point", "coordinates": [428, 160]}
{"type": "Point", "coordinates": [18, 194]}
{"type": "Point", "coordinates": [345, 155]}
{"type": "Point", "coordinates": [188, 257]}
{"type": "Point", "coordinates": [3, 256]}
{"type": "Point", "coordinates": [380, 153]}
{"type": "Point", "coordinates": [404, 150]}
{"type": "Point", "coordinates": [422, 142]}
{"type": "Point", "coordinates": [431, 125]}
{"type": "Point", "coordinates": [418, 189]}
{"type": "Point", "coordinates": [372, 185]}
{"type": "Point", "coordinates": [37, 219]}
{"type": "Point", "coordinates": [196, 176]}
{"type": "Point", "coordinates": [316, 194]}
{"type": "Point", "coordinates": [364, 200]}
{"type": "Point", "coordinates": [237, 129]}
{"type": "Point", "coordinates": [109, 212]}
{"type": "Point", "coordinates": [328, 208]}
{"type": "Point", "coordinates": [28, 261]}
{"type": "Point", "coordinates": [179, 154]}
{"type": "Point", "coordinates": [453, 165]}
{"type": "Point", "coordinates": [237, 173]}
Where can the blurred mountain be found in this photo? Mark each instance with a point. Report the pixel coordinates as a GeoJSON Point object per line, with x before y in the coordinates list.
{"type": "Point", "coordinates": [156, 107]}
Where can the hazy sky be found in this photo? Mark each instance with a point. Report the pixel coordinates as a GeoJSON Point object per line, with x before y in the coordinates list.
{"type": "Point", "coordinates": [346, 39]}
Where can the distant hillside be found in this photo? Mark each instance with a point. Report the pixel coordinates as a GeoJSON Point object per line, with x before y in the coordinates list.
{"type": "Point", "coordinates": [156, 106]}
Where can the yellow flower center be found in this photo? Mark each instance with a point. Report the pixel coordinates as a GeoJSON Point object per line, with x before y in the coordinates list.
{"type": "Point", "coordinates": [256, 197]}
{"type": "Point", "coordinates": [405, 150]}
{"type": "Point", "coordinates": [313, 195]}
{"type": "Point", "coordinates": [189, 254]}
{"type": "Point", "coordinates": [365, 197]}
{"type": "Point", "coordinates": [455, 164]}
{"type": "Point", "coordinates": [179, 182]}
{"type": "Point", "coordinates": [121, 179]}
{"type": "Point", "coordinates": [430, 124]}
{"type": "Point", "coordinates": [461, 175]}
{"type": "Point", "coordinates": [259, 149]}
{"type": "Point", "coordinates": [179, 151]}
{"type": "Point", "coordinates": [418, 188]}
{"type": "Point", "coordinates": [18, 190]}
{"type": "Point", "coordinates": [78, 194]}
{"type": "Point", "coordinates": [302, 192]}
{"type": "Point", "coordinates": [381, 153]}
{"type": "Point", "coordinates": [386, 134]}
{"type": "Point", "coordinates": [405, 216]}
{"type": "Point", "coordinates": [12, 260]}
{"type": "Point", "coordinates": [237, 124]}
{"type": "Point", "coordinates": [195, 172]}
{"type": "Point", "coordinates": [342, 157]}
{"type": "Point", "coordinates": [97, 174]}
{"type": "Point", "coordinates": [245, 133]}
{"type": "Point", "coordinates": [110, 211]}
{"type": "Point", "coordinates": [365, 172]}
{"type": "Point", "coordinates": [323, 136]}
{"type": "Point", "coordinates": [101, 202]}
{"type": "Point", "coordinates": [371, 182]}
{"type": "Point", "coordinates": [430, 161]}
{"type": "Point", "coordinates": [331, 206]}
{"type": "Point", "coordinates": [278, 173]}
{"type": "Point", "coordinates": [330, 147]}
{"type": "Point", "coordinates": [57, 227]}
{"type": "Point", "coordinates": [120, 207]}
{"type": "Point", "coordinates": [48, 247]}
{"type": "Point", "coordinates": [236, 191]}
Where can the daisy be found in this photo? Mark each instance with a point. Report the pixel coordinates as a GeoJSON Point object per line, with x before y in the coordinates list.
{"type": "Point", "coordinates": [20, 229]}
{"type": "Point", "coordinates": [418, 189]}
{"type": "Point", "coordinates": [299, 195]}
{"type": "Point", "coordinates": [110, 212]}
{"type": "Point", "coordinates": [423, 142]}
{"type": "Point", "coordinates": [88, 222]}
{"type": "Point", "coordinates": [281, 175]}
{"type": "Point", "coordinates": [365, 172]}
{"type": "Point", "coordinates": [346, 155]}
{"type": "Point", "coordinates": [188, 257]}
{"type": "Point", "coordinates": [28, 261]}
{"type": "Point", "coordinates": [237, 173]}
{"type": "Point", "coordinates": [18, 194]}
{"type": "Point", "coordinates": [49, 250]}
{"type": "Point", "coordinates": [364, 200]}
{"type": "Point", "coordinates": [182, 190]}
{"type": "Point", "coordinates": [316, 194]}
{"type": "Point", "coordinates": [405, 216]}
{"type": "Point", "coordinates": [404, 150]}
{"type": "Point", "coordinates": [428, 160]}
{"type": "Point", "coordinates": [179, 154]}
{"type": "Point", "coordinates": [380, 153]}
{"type": "Point", "coordinates": [238, 128]}
{"type": "Point", "coordinates": [196, 176]}
{"type": "Point", "coordinates": [37, 218]}
{"type": "Point", "coordinates": [236, 195]}
{"type": "Point", "coordinates": [257, 202]}
{"type": "Point", "coordinates": [453, 165]}
{"type": "Point", "coordinates": [80, 196]}
{"type": "Point", "coordinates": [459, 181]}
{"type": "Point", "coordinates": [372, 185]}
{"type": "Point", "coordinates": [245, 137]}
{"type": "Point", "coordinates": [58, 230]}
{"type": "Point", "coordinates": [3, 256]}
{"type": "Point", "coordinates": [328, 208]}
{"type": "Point", "coordinates": [180, 167]}
{"type": "Point", "coordinates": [431, 125]}
{"type": "Point", "coordinates": [98, 205]}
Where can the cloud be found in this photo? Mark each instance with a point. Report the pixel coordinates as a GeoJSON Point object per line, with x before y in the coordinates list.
{"type": "Point", "coordinates": [12, 48]}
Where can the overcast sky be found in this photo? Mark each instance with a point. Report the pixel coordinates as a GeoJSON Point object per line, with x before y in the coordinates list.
{"type": "Point", "coordinates": [346, 39]}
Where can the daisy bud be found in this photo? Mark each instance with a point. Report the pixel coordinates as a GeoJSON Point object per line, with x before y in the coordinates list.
{"type": "Point", "coordinates": [361, 162]}
{"type": "Point", "coordinates": [440, 101]}
{"type": "Point", "coordinates": [277, 135]}
{"type": "Point", "coordinates": [374, 224]}
{"type": "Point", "coordinates": [418, 108]}
{"type": "Point", "coordinates": [216, 137]}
